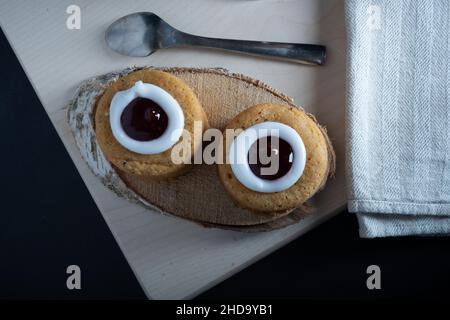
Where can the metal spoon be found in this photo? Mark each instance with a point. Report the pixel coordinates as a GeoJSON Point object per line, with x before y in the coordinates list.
{"type": "Point", "coordinates": [140, 34]}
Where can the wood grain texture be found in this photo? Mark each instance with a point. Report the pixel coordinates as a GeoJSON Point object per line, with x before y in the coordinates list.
{"type": "Point", "coordinates": [197, 195]}
{"type": "Point", "coordinates": [174, 258]}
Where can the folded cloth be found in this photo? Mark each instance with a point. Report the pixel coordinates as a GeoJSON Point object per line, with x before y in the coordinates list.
{"type": "Point", "coordinates": [398, 116]}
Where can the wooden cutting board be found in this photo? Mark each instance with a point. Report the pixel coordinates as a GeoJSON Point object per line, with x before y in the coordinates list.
{"type": "Point", "coordinates": [197, 195]}
{"type": "Point", "coordinates": [173, 258]}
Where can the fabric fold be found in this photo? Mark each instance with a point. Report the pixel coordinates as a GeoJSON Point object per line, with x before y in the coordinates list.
{"type": "Point", "coordinates": [398, 116]}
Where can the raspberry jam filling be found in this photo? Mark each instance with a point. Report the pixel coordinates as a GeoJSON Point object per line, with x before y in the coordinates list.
{"type": "Point", "coordinates": [144, 120]}
{"type": "Point", "coordinates": [277, 158]}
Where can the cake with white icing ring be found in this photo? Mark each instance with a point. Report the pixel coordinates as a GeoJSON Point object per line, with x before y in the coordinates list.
{"type": "Point", "coordinates": [276, 161]}
{"type": "Point", "coordinates": [281, 141]}
{"type": "Point", "coordinates": [141, 117]}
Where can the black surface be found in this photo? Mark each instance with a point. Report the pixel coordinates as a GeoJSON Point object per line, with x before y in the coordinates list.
{"type": "Point", "coordinates": [331, 260]}
{"type": "Point", "coordinates": [49, 221]}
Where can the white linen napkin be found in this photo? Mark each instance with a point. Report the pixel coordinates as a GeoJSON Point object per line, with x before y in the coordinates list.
{"type": "Point", "coordinates": [398, 116]}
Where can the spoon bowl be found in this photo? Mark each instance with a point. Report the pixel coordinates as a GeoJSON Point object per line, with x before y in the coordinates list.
{"type": "Point", "coordinates": [136, 35]}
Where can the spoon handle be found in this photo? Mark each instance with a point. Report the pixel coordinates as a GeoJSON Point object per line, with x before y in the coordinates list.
{"type": "Point", "coordinates": [297, 52]}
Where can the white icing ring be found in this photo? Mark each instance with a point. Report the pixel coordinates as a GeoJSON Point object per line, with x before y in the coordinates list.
{"type": "Point", "coordinates": [238, 156]}
{"type": "Point", "coordinates": [173, 110]}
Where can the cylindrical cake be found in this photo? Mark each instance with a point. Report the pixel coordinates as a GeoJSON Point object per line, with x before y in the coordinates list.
{"type": "Point", "coordinates": [313, 159]}
{"type": "Point", "coordinates": [159, 165]}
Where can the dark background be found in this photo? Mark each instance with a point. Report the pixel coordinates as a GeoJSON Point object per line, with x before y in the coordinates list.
{"type": "Point", "coordinates": [49, 221]}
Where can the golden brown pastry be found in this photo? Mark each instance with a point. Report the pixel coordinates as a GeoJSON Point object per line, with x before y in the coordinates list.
{"type": "Point", "coordinates": [136, 120]}
{"type": "Point", "coordinates": [303, 153]}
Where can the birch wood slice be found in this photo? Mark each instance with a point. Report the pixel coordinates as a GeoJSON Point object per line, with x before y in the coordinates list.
{"type": "Point", "coordinates": [197, 195]}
